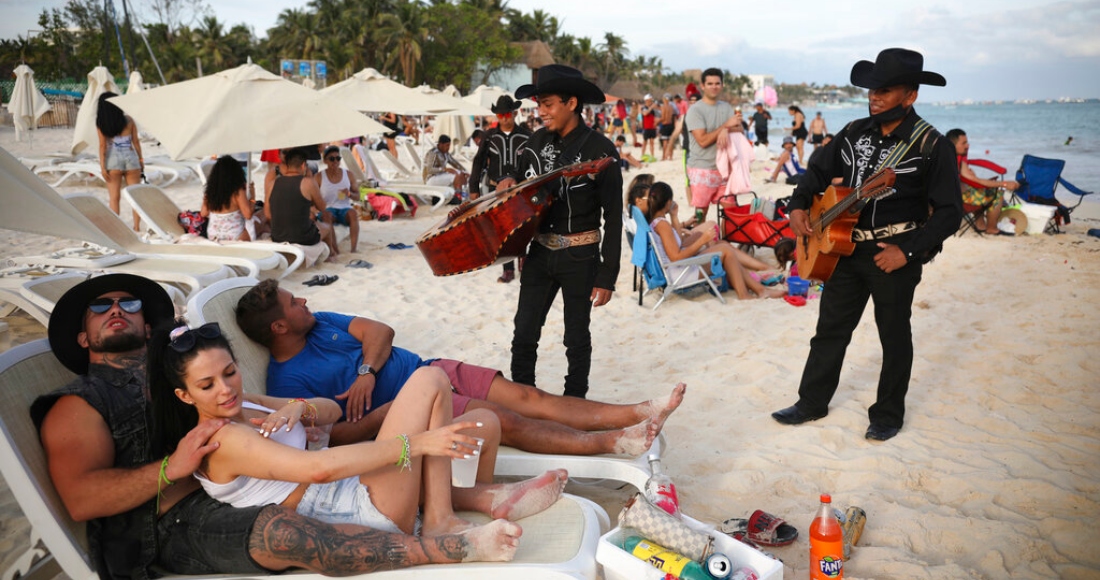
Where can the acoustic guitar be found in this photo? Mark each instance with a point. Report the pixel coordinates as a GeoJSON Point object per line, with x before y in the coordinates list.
{"type": "Point", "coordinates": [496, 227]}
{"type": "Point", "coordinates": [833, 216]}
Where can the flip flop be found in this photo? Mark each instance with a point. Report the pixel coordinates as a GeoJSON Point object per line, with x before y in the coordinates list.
{"type": "Point", "coordinates": [795, 300]}
{"type": "Point", "coordinates": [761, 528]}
{"type": "Point", "coordinates": [326, 280]}
{"type": "Point", "coordinates": [313, 281]}
{"type": "Point", "coordinates": [398, 246]}
{"type": "Point", "coordinates": [359, 264]}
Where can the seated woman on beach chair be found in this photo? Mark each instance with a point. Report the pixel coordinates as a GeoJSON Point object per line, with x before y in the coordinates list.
{"type": "Point", "coordinates": [193, 377]}
{"type": "Point", "coordinates": [703, 238]}
{"type": "Point", "coordinates": [229, 204]}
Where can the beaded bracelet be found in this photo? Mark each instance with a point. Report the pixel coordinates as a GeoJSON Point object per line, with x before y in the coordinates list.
{"type": "Point", "coordinates": [311, 410]}
{"type": "Point", "coordinates": [404, 461]}
{"type": "Point", "coordinates": [163, 480]}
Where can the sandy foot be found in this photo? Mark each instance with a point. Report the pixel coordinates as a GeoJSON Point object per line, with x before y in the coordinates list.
{"type": "Point", "coordinates": [496, 541]}
{"type": "Point", "coordinates": [515, 501]}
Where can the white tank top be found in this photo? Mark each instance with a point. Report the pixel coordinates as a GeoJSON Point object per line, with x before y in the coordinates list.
{"type": "Point", "coordinates": [335, 194]}
{"type": "Point", "coordinates": [247, 491]}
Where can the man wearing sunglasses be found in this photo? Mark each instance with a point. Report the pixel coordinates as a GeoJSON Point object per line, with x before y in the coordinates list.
{"type": "Point", "coordinates": [497, 156]}
{"type": "Point", "coordinates": [146, 515]}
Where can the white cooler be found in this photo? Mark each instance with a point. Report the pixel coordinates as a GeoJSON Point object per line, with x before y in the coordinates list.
{"type": "Point", "coordinates": [1037, 216]}
{"type": "Point", "coordinates": [619, 564]}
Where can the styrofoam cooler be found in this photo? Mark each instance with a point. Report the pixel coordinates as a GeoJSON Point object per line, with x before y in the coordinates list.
{"type": "Point", "coordinates": [1038, 215]}
{"type": "Point", "coordinates": [619, 564]}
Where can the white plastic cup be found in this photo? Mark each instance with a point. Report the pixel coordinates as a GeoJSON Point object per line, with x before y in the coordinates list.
{"type": "Point", "coordinates": [464, 469]}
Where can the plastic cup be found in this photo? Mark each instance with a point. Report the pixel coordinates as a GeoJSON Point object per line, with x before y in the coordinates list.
{"type": "Point", "coordinates": [464, 469]}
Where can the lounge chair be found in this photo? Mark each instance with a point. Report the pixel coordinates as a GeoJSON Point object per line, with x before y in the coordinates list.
{"type": "Point", "coordinates": [249, 261]}
{"type": "Point", "coordinates": [35, 289]}
{"type": "Point", "coordinates": [160, 219]}
{"type": "Point", "coordinates": [365, 187]}
{"type": "Point", "coordinates": [1039, 179]}
{"type": "Point", "coordinates": [83, 169]}
{"type": "Point", "coordinates": [557, 543]}
{"type": "Point", "coordinates": [406, 184]}
{"type": "Point", "coordinates": [218, 303]}
{"type": "Point", "coordinates": [657, 270]}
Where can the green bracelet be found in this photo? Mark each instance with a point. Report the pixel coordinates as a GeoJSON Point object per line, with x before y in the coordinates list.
{"type": "Point", "coordinates": [403, 462]}
{"type": "Point", "coordinates": [162, 480]}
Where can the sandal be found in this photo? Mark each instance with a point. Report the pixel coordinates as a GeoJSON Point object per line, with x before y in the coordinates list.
{"type": "Point", "coordinates": [761, 528]}
{"type": "Point", "coordinates": [321, 280]}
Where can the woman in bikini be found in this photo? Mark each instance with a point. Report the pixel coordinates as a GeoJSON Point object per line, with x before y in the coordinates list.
{"type": "Point", "coordinates": [798, 129]}
{"type": "Point", "coordinates": [261, 458]}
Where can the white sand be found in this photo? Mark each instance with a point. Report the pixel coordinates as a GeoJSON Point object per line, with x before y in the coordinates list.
{"type": "Point", "coordinates": [995, 474]}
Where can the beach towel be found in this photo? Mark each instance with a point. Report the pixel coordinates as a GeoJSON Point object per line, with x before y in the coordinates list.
{"type": "Point", "coordinates": [734, 161]}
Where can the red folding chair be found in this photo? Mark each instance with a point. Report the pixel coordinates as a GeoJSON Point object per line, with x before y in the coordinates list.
{"type": "Point", "coordinates": [972, 212]}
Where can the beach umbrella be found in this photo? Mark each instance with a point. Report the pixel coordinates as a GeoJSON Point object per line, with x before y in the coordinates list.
{"type": "Point", "coordinates": [137, 83]}
{"type": "Point", "coordinates": [241, 109]}
{"type": "Point", "coordinates": [487, 96]}
{"type": "Point", "coordinates": [767, 96]}
{"type": "Point", "coordinates": [27, 103]}
{"type": "Point", "coordinates": [369, 90]}
{"type": "Point", "coordinates": [85, 135]}
{"type": "Point", "coordinates": [449, 97]}
{"type": "Point", "coordinates": [458, 127]}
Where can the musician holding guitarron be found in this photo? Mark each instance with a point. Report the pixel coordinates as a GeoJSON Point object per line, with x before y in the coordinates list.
{"type": "Point", "coordinates": [871, 209]}
{"type": "Point", "coordinates": [578, 242]}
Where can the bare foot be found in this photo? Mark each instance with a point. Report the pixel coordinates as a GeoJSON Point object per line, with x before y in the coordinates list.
{"type": "Point", "coordinates": [515, 501]}
{"type": "Point", "coordinates": [452, 525]}
{"type": "Point", "coordinates": [774, 292]}
{"type": "Point", "coordinates": [660, 409]}
{"type": "Point", "coordinates": [496, 541]}
{"type": "Point", "coordinates": [636, 439]}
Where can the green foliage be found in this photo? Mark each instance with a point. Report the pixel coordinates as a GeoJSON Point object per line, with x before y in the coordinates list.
{"type": "Point", "coordinates": [463, 37]}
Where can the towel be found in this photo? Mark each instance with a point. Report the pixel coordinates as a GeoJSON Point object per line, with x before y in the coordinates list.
{"type": "Point", "coordinates": [734, 161]}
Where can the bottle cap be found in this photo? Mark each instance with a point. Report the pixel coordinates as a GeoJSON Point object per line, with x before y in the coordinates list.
{"type": "Point", "coordinates": [826, 498]}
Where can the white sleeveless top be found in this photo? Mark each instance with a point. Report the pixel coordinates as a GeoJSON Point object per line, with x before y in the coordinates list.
{"type": "Point", "coordinates": [330, 192]}
{"type": "Point", "coordinates": [247, 491]}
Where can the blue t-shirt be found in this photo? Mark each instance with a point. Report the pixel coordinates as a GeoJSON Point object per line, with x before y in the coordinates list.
{"type": "Point", "coordinates": [329, 364]}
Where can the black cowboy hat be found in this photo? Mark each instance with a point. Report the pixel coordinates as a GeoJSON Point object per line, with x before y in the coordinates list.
{"type": "Point", "coordinates": [561, 79]}
{"type": "Point", "coordinates": [505, 104]}
{"type": "Point", "coordinates": [894, 66]}
{"type": "Point", "coordinates": [67, 318]}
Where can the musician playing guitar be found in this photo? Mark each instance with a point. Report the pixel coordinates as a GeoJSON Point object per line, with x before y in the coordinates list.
{"type": "Point", "coordinates": [577, 247]}
{"type": "Point", "coordinates": [893, 237]}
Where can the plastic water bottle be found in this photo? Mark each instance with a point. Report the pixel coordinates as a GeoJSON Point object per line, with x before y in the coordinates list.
{"type": "Point", "coordinates": [826, 543]}
{"type": "Point", "coordinates": [659, 489]}
{"type": "Point", "coordinates": [665, 560]}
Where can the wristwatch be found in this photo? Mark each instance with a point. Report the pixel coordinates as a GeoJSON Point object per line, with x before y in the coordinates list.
{"type": "Point", "coordinates": [365, 369]}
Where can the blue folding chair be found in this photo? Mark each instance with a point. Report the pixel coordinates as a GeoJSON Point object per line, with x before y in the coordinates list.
{"type": "Point", "coordinates": [655, 266]}
{"type": "Point", "coordinates": [1038, 178]}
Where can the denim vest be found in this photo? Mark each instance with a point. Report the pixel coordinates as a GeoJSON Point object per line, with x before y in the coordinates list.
{"type": "Point", "coordinates": [124, 545]}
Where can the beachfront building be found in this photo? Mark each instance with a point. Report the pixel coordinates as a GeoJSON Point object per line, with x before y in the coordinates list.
{"type": "Point", "coordinates": [536, 54]}
{"type": "Point", "coordinates": [758, 82]}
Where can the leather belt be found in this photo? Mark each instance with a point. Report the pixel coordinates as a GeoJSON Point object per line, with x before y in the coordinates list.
{"type": "Point", "coordinates": [886, 231]}
{"type": "Point", "coordinates": [559, 241]}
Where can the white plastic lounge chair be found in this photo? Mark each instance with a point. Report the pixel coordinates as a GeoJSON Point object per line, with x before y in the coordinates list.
{"type": "Point", "coordinates": [407, 145]}
{"type": "Point", "coordinates": [36, 290]}
{"type": "Point", "coordinates": [249, 261]}
{"type": "Point", "coordinates": [160, 220]}
{"type": "Point", "coordinates": [558, 543]}
{"type": "Point", "coordinates": [417, 188]}
{"type": "Point", "coordinates": [61, 172]}
{"type": "Point", "coordinates": [356, 170]}
{"type": "Point", "coordinates": [218, 303]}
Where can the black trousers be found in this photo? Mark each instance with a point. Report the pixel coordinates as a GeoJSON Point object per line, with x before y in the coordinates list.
{"type": "Point", "coordinates": [545, 272]}
{"type": "Point", "coordinates": [843, 301]}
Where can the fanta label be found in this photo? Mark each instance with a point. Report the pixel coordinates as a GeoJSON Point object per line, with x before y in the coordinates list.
{"type": "Point", "coordinates": [831, 566]}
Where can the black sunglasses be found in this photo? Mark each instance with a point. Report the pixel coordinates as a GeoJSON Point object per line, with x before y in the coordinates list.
{"type": "Point", "coordinates": [182, 339]}
{"type": "Point", "coordinates": [332, 159]}
{"type": "Point", "coordinates": [128, 304]}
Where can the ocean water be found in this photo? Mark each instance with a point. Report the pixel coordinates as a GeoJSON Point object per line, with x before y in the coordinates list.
{"type": "Point", "coordinates": [1001, 133]}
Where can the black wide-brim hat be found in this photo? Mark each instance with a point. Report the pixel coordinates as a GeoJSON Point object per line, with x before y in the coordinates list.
{"type": "Point", "coordinates": [505, 104]}
{"type": "Point", "coordinates": [67, 318]}
{"type": "Point", "coordinates": [894, 66]}
{"type": "Point", "coordinates": [560, 79]}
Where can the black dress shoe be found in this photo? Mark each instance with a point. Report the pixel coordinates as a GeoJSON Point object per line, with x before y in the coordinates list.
{"type": "Point", "coordinates": [881, 432]}
{"type": "Point", "coordinates": [794, 416]}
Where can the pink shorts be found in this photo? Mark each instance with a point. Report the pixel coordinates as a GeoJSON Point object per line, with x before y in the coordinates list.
{"type": "Point", "coordinates": [707, 185]}
{"type": "Point", "coordinates": [467, 381]}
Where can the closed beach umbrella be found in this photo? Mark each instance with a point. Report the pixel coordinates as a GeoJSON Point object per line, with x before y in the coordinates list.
{"type": "Point", "coordinates": [369, 90]}
{"type": "Point", "coordinates": [487, 96]}
{"type": "Point", "coordinates": [241, 109]}
{"type": "Point", "coordinates": [100, 81]}
{"type": "Point", "coordinates": [27, 102]}
{"type": "Point", "coordinates": [458, 126]}
{"type": "Point", "coordinates": [137, 83]}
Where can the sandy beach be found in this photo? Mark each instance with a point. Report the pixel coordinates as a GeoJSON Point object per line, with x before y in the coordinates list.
{"type": "Point", "coordinates": [995, 474]}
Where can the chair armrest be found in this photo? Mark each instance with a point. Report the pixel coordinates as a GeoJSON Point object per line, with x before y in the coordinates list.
{"type": "Point", "coordinates": [1073, 188]}
{"type": "Point", "coordinates": [986, 164]}
{"type": "Point", "coordinates": [696, 260]}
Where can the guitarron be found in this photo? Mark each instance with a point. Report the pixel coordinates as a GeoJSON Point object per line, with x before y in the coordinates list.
{"type": "Point", "coordinates": [833, 216]}
{"type": "Point", "coordinates": [496, 227]}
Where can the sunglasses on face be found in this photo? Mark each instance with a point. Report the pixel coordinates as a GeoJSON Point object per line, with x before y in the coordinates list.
{"type": "Point", "coordinates": [332, 159]}
{"type": "Point", "coordinates": [130, 305]}
{"type": "Point", "coordinates": [182, 339]}
{"type": "Point", "coordinates": [504, 115]}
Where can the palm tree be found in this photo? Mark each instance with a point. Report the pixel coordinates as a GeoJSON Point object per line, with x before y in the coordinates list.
{"type": "Point", "coordinates": [402, 33]}
{"type": "Point", "coordinates": [212, 44]}
{"type": "Point", "coordinates": [612, 56]}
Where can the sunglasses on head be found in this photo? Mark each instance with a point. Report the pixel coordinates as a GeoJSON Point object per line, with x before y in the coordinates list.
{"type": "Point", "coordinates": [127, 304]}
{"type": "Point", "coordinates": [182, 339]}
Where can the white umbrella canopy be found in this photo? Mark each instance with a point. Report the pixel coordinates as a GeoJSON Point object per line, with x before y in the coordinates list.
{"type": "Point", "coordinates": [241, 109]}
{"type": "Point", "coordinates": [27, 103]}
{"type": "Point", "coordinates": [137, 83]}
{"type": "Point", "coordinates": [458, 127]}
{"type": "Point", "coordinates": [369, 90]}
{"type": "Point", "coordinates": [487, 96]}
{"type": "Point", "coordinates": [100, 81]}
{"type": "Point", "coordinates": [449, 97]}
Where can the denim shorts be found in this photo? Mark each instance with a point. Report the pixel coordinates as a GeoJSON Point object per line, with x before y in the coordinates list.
{"type": "Point", "coordinates": [122, 160]}
{"type": "Point", "coordinates": [346, 501]}
{"type": "Point", "coordinates": [200, 535]}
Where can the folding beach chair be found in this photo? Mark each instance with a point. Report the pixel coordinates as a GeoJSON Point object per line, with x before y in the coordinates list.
{"type": "Point", "coordinates": [972, 212]}
{"type": "Point", "coordinates": [1039, 178]}
{"type": "Point", "coordinates": [671, 277]}
{"type": "Point", "coordinates": [739, 224]}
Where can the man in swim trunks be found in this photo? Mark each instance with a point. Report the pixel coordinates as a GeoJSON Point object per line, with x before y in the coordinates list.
{"type": "Point", "coordinates": [709, 122]}
{"type": "Point", "coordinates": [817, 131]}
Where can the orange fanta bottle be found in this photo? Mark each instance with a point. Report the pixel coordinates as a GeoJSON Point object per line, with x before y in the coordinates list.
{"type": "Point", "coordinates": [826, 543]}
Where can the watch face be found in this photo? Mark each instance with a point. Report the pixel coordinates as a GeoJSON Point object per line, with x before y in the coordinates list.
{"type": "Point", "coordinates": [365, 369]}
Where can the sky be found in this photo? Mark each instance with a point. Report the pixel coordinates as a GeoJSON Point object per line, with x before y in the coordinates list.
{"type": "Point", "coordinates": [987, 49]}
